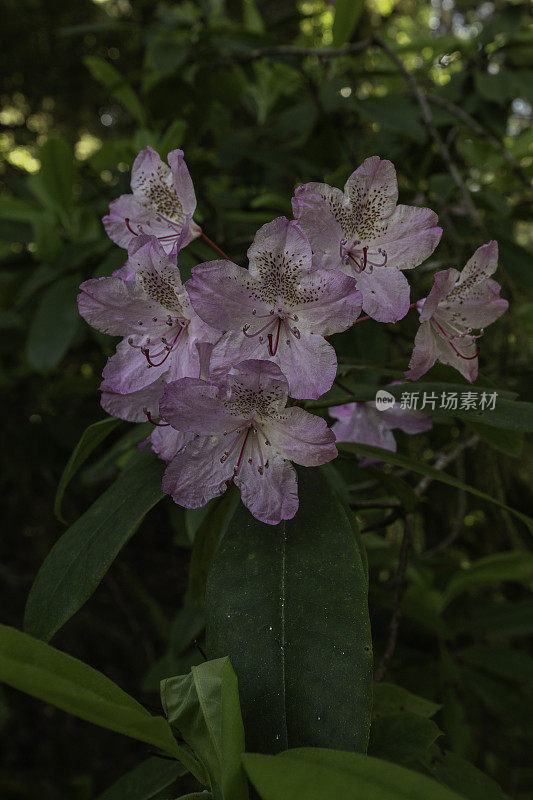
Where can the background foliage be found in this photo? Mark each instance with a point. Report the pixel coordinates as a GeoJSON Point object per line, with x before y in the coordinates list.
{"type": "Point", "coordinates": [86, 86]}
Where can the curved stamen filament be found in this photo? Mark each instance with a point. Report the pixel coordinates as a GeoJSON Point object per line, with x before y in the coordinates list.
{"type": "Point", "coordinates": [257, 444]}
{"type": "Point", "coordinates": [273, 349]}
{"type": "Point", "coordinates": [159, 219]}
{"type": "Point", "coordinates": [360, 258]}
{"type": "Point", "coordinates": [450, 336]}
{"type": "Point", "coordinates": [237, 439]}
{"type": "Point", "coordinates": [128, 226]}
{"type": "Point", "coordinates": [237, 467]}
{"type": "Point", "coordinates": [153, 422]}
{"type": "Point", "coordinates": [175, 225]}
{"type": "Point", "coordinates": [264, 328]}
{"type": "Point", "coordinates": [167, 349]}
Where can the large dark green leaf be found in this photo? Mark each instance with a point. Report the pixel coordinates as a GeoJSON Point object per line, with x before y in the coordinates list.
{"type": "Point", "coordinates": [319, 774]}
{"type": "Point", "coordinates": [288, 605]}
{"type": "Point", "coordinates": [57, 678]}
{"type": "Point", "coordinates": [90, 439]}
{"type": "Point", "coordinates": [54, 325]}
{"type": "Point", "coordinates": [145, 780]}
{"type": "Point", "coordinates": [424, 469]}
{"type": "Point", "coordinates": [79, 560]}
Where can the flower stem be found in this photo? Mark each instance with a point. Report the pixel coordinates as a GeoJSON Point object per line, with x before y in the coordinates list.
{"type": "Point", "coordinates": [214, 247]}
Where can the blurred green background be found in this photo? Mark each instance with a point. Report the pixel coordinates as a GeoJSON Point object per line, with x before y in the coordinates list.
{"type": "Point", "coordinates": [84, 86]}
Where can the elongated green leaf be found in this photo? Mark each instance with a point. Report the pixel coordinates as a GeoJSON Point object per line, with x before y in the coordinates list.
{"type": "Point", "coordinates": [514, 566]}
{"type": "Point", "coordinates": [16, 210]}
{"type": "Point", "coordinates": [173, 137]}
{"type": "Point", "coordinates": [196, 796]}
{"type": "Point", "coordinates": [396, 486]}
{"type": "Point", "coordinates": [204, 706]}
{"type": "Point", "coordinates": [307, 676]}
{"type": "Point", "coordinates": [506, 441]}
{"type": "Point", "coordinates": [320, 774]}
{"type": "Point", "coordinates": [504, 619]}
{"type": "Point", "coordinates": [48, 244]}
{"type": "Point", "coordinates": [108, 76]}
{"type": "Point", "coordinates": [54, 325]}
{"type": "Point", "coordinates": [145, 780]}
{"type": "Point", "coordinates": [233, 779]}
{"type": "Point", "coordinates": [347, 13]}
{"type": "Point", "coordinates": [403, 737]}
{"type": "Point", "coordinates": [391, 699]}
{"type": "Point", "coordinates": [461, 776]}
{"type": "Point", "coordinates": [57, 172]}
{"type": "Point", "coordinates": [79, 560]}
{"type": "Point", "coordinates": [90, 439]}
{"type": "Point", "coordinates": [57, 678]}
{"type": "Point", "coordinates": [501, 661]}
{"type": "Point", "coordinates": [394, 113]}
{"type": "Point", "coordinates": [205, 541]}
{"type": "Point", "coordinates": [424, 469]}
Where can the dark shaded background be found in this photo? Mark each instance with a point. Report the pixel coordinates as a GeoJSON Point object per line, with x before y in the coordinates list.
{"type": "Point", "coordinates": [252, 129]}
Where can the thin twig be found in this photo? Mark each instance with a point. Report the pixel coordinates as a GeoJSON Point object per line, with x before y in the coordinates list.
{"type": "Point", "coordinates": [427, 119]}
{"type": "Point", "coordinates": [298, 52]}
{"type": "Point", "coordinates": [399, 513]}
{"type": "Point", "coordinates": [443, 460]}
{"type": "Point", "coordinates": [343, 387]}
{"type": "Point", "coordinates": [457, 526]}
{"type": "Point", "coordinates": [214, 246]}
{"type": "Point", "coordinates": [364, 504]}
{"type": "Point", "coordinates": [400, 584]}
{"type": "Point", "coordinates": [460, 114]}
{"type": "Point", "coordinates": [200, 649]}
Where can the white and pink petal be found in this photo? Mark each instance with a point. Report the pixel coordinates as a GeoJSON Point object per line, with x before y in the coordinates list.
{"type": "Point", "coordinates": [386, 293]}
{"type": "Point", "coordinates": [272, 494]}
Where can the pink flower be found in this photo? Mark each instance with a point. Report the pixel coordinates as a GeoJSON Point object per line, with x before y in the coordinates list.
{"type": "Point", "coordinates": [279, 309]}
{"type": "Point", "coordinates": [160, 328]}
{"type": "Point", "coordinates": [459, 304]}
{"type": "Point", "coordinates": [366, 424]}
{"type": "Point", "coordinates": [162, 203]}
{"type": "Point", "coordinates": [165, 440]}
{"type": "Point", "coordinates": [244, 433]}
{"type": "Point", "coordinates": [362, 232]}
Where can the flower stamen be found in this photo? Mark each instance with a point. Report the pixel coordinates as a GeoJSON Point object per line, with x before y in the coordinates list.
{"type": "Point", "coordinates": [153, 422]}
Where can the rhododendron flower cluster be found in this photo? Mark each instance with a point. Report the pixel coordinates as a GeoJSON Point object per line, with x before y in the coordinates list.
{"type": "Point", "coordinates": [222, 363]}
